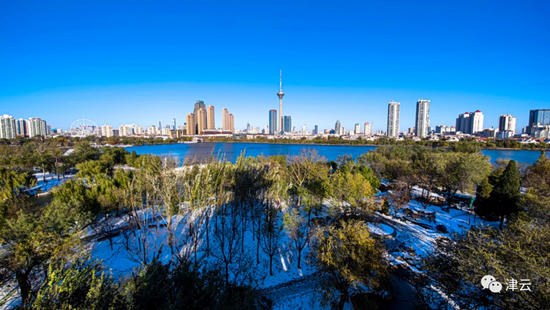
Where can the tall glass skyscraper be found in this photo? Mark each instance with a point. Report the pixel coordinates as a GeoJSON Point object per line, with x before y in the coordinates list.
{"type": "Point", "coordinates": [287, 123]}
{"type": "Point", "coordinates": [540, 116]}
{"type": "Point", "coordinates": [272, 122]}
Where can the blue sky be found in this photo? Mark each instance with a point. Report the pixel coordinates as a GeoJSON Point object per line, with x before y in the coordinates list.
{"type": "Point", "coordinates": [142, 62]}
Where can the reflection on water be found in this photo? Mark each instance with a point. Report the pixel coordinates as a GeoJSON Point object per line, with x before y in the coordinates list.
{"type": "Point", "coordinates": [42, 200]}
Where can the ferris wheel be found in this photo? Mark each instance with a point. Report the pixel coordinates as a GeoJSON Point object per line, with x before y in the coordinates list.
{"type": "Point", "coordinates": [83, 127]}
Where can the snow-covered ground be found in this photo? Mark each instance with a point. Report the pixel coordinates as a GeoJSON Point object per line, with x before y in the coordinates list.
{"type": "Point", "coordinates": [408, 240]}
{"type": "Point", "coordinates": [47, 181]}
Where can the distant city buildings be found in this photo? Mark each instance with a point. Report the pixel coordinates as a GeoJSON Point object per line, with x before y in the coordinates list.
{"type": "Point", "coordinates": [190, 121]}
{"type": "Point", "coordinates": [470, 122]}
{"type": "Point", "coordinates": [507, 122]}
{"type": "Point", "coordinates": [316, 130]}
{"type": "Point", "coordinates": [228, 122]}
{"type": "Point", "coordinates": [280, 94]}
{"type": "Point", "coordinates": [287, 123]}
{"type": "Point", "coordinates": [393, 119]}
{"type": "Point", "coordinates": [37, 127]}
{"type": "Point", "coordinates": [210, 117]}
{"type": "Point", "coordinates": [337, 127]}
{"type": "Point", "coordinates": [357, 129]}
{"type": "Point", "coordinates": [272, 122]}
{"type": "Point", "coordinates": [173, 124]}
{"type": "Point", "coordinates": [8, 127]}
{"type": "Point", "coordinates": [538, 118]}
{"type": "Point", "coordinates": [22, 126]}
{"type": "Point", "coordinates": [367, 128]}
{"type": "Point", "coordinates": [422, 123]}
{"type": "Point", "coordinates": [201, 121]}
{"type": "Point", "coordinates": [107, 130]}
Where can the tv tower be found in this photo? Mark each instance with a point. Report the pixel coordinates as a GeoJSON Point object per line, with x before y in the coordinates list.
{"type": "Point", "coordinates": [280, 94]}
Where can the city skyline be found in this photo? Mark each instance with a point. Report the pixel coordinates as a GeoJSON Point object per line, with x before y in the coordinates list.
{"type": "Point", "coordinates": [86, 60]}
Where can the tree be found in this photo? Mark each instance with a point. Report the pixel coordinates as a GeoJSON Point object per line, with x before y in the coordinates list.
{"type": "Point", "coordinates": [506, 192]}
{"type": "Point", "coordinates": [398, 196]}
{"type": "Point", "coordinates": [460, 172]}
{"type": "Point", "coordinates": [81, 284]}
{"type": "Point", "coordinates": [346, 256]}
{"type": "Point", "coordinates": [32, 243]}
{"type": "Point", "coordinates": [350, 192]}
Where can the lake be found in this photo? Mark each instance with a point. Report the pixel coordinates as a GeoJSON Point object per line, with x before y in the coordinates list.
{"type": "Point", "coordinates": [331, 152]}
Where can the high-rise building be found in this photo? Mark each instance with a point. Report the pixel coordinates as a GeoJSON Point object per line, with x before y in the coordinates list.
{"type": "Point", "coordinates": [342, 130]}
{"type": "Point", "coordinates": [476, 121]}
{"type": "Point", "coordinates": [367, 128]}
{"type": "Point", "coordinates": [463, 123]}
{"type": "Point", "coordinates": [357, 129]}
{"type": "Point", "coordinates": [126, 130]}
{"type": "Point", "coordinates": [160, 126]}
{"type": "Point", "coordinates": [22, 127]}
{"type": "Point", "coordinates": [201, 120]}
{"type": "Point", "coordinates": [232, 123]}
{"type": "Point", "coordinates": [226, 122]}
{"type": "Point", "coordinates": [540, 117]}
{"type": "Point", "coordinates": [304, 129]}
{"type": "Point", "coordinates": [470, 122]}
{"type": "Point", "coordinates": [190, 120]}
{"type": "Point", "coordinates": [199, 104]}
{"type": "Point", "coordinates": [272, 122]}
{"type": "Point", "coordinates": [507, 122]}
{"type": "Point", "coordinates": [107, 130]}
{"type": "Point", "coordinates": [173, 124]}
{"type": "Point", "coordinates": [337, 127]}
{"type": "Point", "coordinates": [138, 130]}
{"type": "Point", "coordinates": [37, 127]}
{"type": "Point", "coordinates": [211, 119]}
{"type": "Point", "coordinates": [151, 130]}
{"type": "Point", "coordinates": [280, 94]}
{"type": "Point", "coordinates": [422, 118]}
{"type": "Point", "coordinates": [8, 127]}
{"type": "Point", "coordinates": [287, 123]}
{"type": "Point", "coordinates": [393, 119]}
{"type": "Point", "coordinates": [316, 130]}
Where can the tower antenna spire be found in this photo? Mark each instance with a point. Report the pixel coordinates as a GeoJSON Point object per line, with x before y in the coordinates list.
{"type": "Point", "coordinates": [281, 80]}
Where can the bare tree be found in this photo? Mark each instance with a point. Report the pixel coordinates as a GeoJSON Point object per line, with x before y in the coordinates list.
{"type": "Point", "coordinates": [398, 196]}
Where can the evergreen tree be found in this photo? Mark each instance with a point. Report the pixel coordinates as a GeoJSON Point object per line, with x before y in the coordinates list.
{"type": "Point", "coordinates": [505, 193]}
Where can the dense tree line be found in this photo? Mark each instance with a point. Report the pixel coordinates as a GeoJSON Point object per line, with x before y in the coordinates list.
{"type": "Point", "coordinates": [491, 143]}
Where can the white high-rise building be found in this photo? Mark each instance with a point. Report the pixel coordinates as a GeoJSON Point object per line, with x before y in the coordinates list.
{"type": "Point", "coordinates": [422, 118]}
{"type": "Point", "coordinates": [125, 130]}
{"type": "Point", "coordinates": [357, 129]}
{"type": "Point", "coordinates": [107, 130]}
{"type": "Point", "coordinates": [367, 128]}
{"type": "Point", "coordinates": [476, 119]}
{"type": "Point", "coordinates": [8, 127]}
{"type": "Point", "coordinates": [304, 129]}
{"type": "Point", "coordinates": [393, 119]}
{"type": "Point", "coordinates": [507, 122]}
{"type": "Point", "coordinates": [152, 130]}
{"type": "Point", "coordinates": [37, 127]}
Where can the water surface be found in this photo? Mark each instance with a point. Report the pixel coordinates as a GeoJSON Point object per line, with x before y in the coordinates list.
{"type": "Point", "coordinates": [331, 152]}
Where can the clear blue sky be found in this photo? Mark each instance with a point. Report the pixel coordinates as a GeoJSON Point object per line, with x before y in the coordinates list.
{"type": "Point", "coordinates": [147, 61]}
